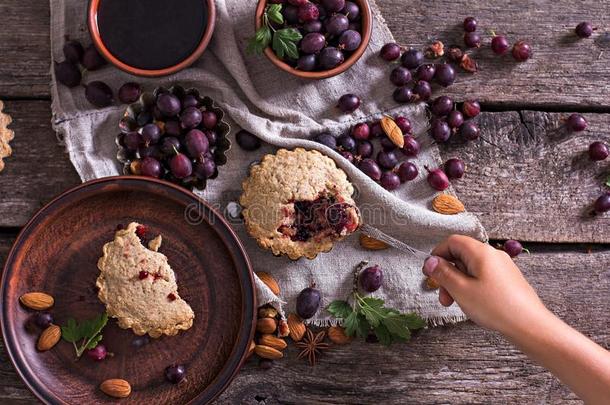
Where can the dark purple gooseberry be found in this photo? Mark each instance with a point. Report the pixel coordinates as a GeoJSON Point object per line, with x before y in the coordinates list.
{"type": "Point", "coordinates": [205, 169]}
{"type": "Point", "coordinates": [364, 149]}
{"type": "Point", "coordinates": [469, 131]}
{"type": "Point", "coordinates": [307, 63]}
{"type": "Point", "coordinates": [441, 106]}
{"type": "Point", "coordinates": [149, 151]}
{"type": "Point", "coordinates": [470, 24]}
{"type": "Point", "coordinates": [296, 2]}
{"type": "Point", "coordinates": [390, 51]}
{"type": "Point", "coordinates": [403, 94]}
{"type": "Point", "coordinates": [407, 171]}
{"type": "Point", "coordinates": [347, 155]}
{"type": "Point", "coordinates": [173, 128]}
{"type": "Point", "coordinates": [151, 167]}
{"type": "Point", "coordinates": [444, 75]}
{"type": "Point", "coordinates": [190, 101]}
{"type": "Point", "coordinates": [291, 14]}
{"type": "Point", "coordinates": [190, 117]}
{"type": "Point", "coordinates": [455, 119]}
{"type": "Point", "coordinates": [576, 123]}
{"type": "Point", "coordinates": [308, 302]}
{"type": "Point", "coordinates": [513, 247]}
{"type": "Point", "coordinates": [211, 135]}
{"type": "Point", "coordinates": [598, 151]}
{"type": "Point", "coordinates": [361, 131]}
{"type": "Point", "coordinates": [472, 39]}
{"type": "Point", "coordinates": [73, 51]}
{"type": "Point", "coordinates": [175, 373]}
{"type": "Point", "coordinates": [144, 117]}
{"type": "Point", "coordinates": [196, 143]}
{"type": "Point", "coordinates": [209, 119]}
{"type": "Point", "coordinates": [330, 58]}
{"type": "Point", "coordinates": [387, 159]}
{"type": "Point", "coordinates": [336, 24]}
{"type": "Point", "coordinates": [98, 353]}
{"type": "Point", "coordinates": [439, 130]}
{"type": "Point", "coordinates": [371, 278]}
{"type": "Point", "coordinates": [387, 144]}
{"type": "Point", "coordinates": [333, 6]}
{"type": "Point", "coordinates": [522, 51]}
{"type": "Point", "coordinates": [437, 179]}
{"type": "Point", "coordinates": [327, 139]}
{"type": "Point", "coordinates": [370, 168]}
{"type": "Point", "coordinates": [348, 103]}
{"type": "Point", "coordinates": [400, 76]}
{"type": "Point", "coordinates": [181, 166]}
{"type": "Point", "coordinates": [454, 168]}
{"type": "Point", "coordinates": [376, 129]}
{"type": "Point", "coordinates": [471, 108]}
{"type": "Point", "coordinates": [67, 73]}
{"type": "Point", "coordinates": [412, 58]}
{"type": "Point", "coordinates": [168, 104]}
{"type": "Point", "coordinates": [602, 204]}
{"type": "Point", "coordinates": [583, 30]}
{"type": "Point", "coordinates": [150, 133]}
{"type": "Point", "coordinates": [426, 72]}
{"type": "Point", "coordinates": [99, 94]}
{"type": "Point", "coordinates": [132, 140]}
{"type": "Point", "coordinates": [411, 147]}
{"type": "Point", "coordinates": [129, 92]}
{"type": "Point", "coordinates": [390, 180]}
{"type": "Point", "coordinates": [347, 143]}
{"type": "Point", "coordinates": [313, 42]}
{"type": "Point", "coordinates": [308, 12]}
{"type": "Point", "coordinates": [351, 10]}
{"type": "Point", "coordinates": [499, 45]}
{"type": "Point", "coordinates": [169, 145]}
{"type": "Point", "coordinates": [43, 319]}
{"type": "Point", "coordinates": [404, 124]}
{"type": "Point", "coordinates": [323, 12]}
{"type": "Point", "coordinates": [247, 141]}
{"type": "Point", "coordinates": [312, 26]}
{"type": "Point", "coordinates": [422, 90]}
{"type": "Point", "coordinates": [350, 40]}
{"type": "Point", "coordinates": [92, 60]}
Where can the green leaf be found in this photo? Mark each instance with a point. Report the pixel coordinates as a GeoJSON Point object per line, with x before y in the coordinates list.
{"type": "Point", "coordinates": [414, 321]}
{"type": "Point", "coordinates": [372, 309]}
{"type": "Point", "coordinates": [70, 331]}
{"type": "Point", "coordinates": [340, 309]}
{"type": "Point", "coordinates": [285, 41]}
{"type": "Point", "coordinates": [397, 325]}
{"type": "Point", "coordinates": [384, 336]}
{"type": "Point", "coordinates": [351, 324]}
{"type": "Point", "coordinates": [94, 342]}
{"type": "Point", "coordinates": [260, 40]}
{"type": "Point", "coordinates": [87, 333]}
{"type": "Point", "coordinates": [274, 12]}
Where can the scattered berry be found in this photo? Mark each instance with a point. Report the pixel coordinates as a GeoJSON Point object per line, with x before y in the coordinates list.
{"type": "Point", "coordinates": [390, 181]}
{"type": "Point", "coordinates": [439, 130]}
{"type": "Point", "coordinates": [371, 278]}
{"type": "Point", "coordinates": [441, 106]}
{"type": "Point", "coordinates": [403, 95]}
{"type": "Point", "coordinates": [576, 123]}
{"type": "Point", "coordinates": [67, 74]}
{"type": "Point", "coordinates": [400, 76]}
{"type": "Point", "coordinates": [129, 92]}
{"type": "Point", "coordinates": [98, 353]}
{"type": "Point", "coordinates": [175, 373]}
{"type": "Point", "coordinates": [584, 29]}
{"type": "Point", "coordinates": [422, 90]}
{"type": "Point", "coordinates": [444, 75]}
{"type": "Point", "coordinates": [411, 147]}
{"type": "Point", "coordinates": [348, 103]}
{"type": "Point", "coordinates": [513, 247]}
{"type": "Point", "coordinates": [522, 51]}
{"type": "Point", "coordinates": [602, 204]}
{"type": "Point", "coordinates": [407, 171]}
{"type": "Point", "coordinates": [454, 168]}
{"type": "Point", "coordinates": [471, 108]}
{"type": "Point", "coordinates": [469, 131]}
{"type": "Point", "coordinates": [370, 168]}
{"type": "Point", "coordinates": [499, 45]}
{"type": "Point", "coordinates": [437, 179]}
{"type": "Point", "coordinates": [598, 150]}
{"type": "Point", "coordinates": [361, 131]}
{"type": "Point", "coordinates": [247, 141]}
{"type": "Point", "coordinates": [73, 51]}
{"type": "Point", "coordinates": [390, 51]}
{"type": "Point", "coordinates": [43, 319]}
{"type": "Point", "coordinates": [412, 58]}
{"type": "Point", "coordinates": [470, 24]}
{"type": "Point", "coordinates": [472, 40]}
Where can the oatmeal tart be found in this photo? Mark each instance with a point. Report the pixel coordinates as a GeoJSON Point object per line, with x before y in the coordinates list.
{"type": "Point", "coordinates": [298, 203]}
{"type": "Point", "coordinates": [139, 287]}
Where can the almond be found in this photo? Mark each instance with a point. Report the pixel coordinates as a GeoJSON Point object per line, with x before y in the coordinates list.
{"type": "Point", "coordinates": [392, 131]}
{"type": "Point", "coordinates": [37, 300]}
{"type": "Point", "coordinates": [447, 204]}
{"type": "Point", "coordinates": [272, 341]}
{"type": "Point", "coordinates": [283, 329]}
{"type": "Point", "coordinates": [297, 327]}
{"type": "Point", "coordinates": [266, 325]}
{"type": "Point", "coordinates": [267, 352]}
{"type": "Point", "coordinates": [337, 335]}
{"type": "Point", "coordinates": [269, 281]}
{"type": "Point", "coordinates": [251, 349]}
{"type": "Point", "coordinates": [431, 283]}
{"type": "Point", "coordinates": [116, 387]}
{"type": "Point", "coordinates": [267, 312]}
{"type": "Point", "coordinates": [48, 338]}
{"type": "Point", "coordinates": [371, 243]}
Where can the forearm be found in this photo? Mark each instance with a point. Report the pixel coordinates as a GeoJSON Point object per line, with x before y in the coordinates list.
{"type": "Point", "coordinates": [576, 360]}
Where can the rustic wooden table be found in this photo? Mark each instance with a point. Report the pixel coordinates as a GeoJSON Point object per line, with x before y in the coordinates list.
{"type": "Point", "coordinates": [527, 180]}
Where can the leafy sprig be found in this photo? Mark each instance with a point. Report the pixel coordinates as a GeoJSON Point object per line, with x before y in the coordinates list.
{"type": "Point", "coordinates": [85, 335]}
{"type": "Point", "coordinates": [367, 314]}
{"type": "Point", "coordinates": [283, 41]}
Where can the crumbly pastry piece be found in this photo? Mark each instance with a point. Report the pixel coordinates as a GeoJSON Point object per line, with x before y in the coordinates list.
{"type": "Point", "coordinates": [6, 135]}
{"type": "Point", "coordinates": [139, 287]}
{"type": "Point", "coordinates": [298, 203]}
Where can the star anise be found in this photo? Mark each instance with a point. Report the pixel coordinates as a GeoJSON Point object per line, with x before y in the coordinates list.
{"type": "Point", "coordinates": [312, 346]}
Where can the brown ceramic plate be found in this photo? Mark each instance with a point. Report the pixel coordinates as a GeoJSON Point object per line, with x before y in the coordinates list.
{"type": "Point", "coordinates": [57, 253]}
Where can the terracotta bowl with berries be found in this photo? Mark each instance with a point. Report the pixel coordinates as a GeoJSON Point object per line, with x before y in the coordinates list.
{"type": "Point", "coordinates": [174, 134]}
{"type": "Point", "coordinates": [313, 39]}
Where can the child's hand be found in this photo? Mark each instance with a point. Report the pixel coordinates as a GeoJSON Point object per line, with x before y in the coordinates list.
{"type": "Point", "coordinates": [485, 283]}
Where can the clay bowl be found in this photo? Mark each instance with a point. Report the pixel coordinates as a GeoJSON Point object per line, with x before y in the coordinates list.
{"type": "Point", "coordinates": [367, 29]}
{"type": "Point", "coordinates": [57, 252]}
{"type": "Point", "coordinates": [189, 60]}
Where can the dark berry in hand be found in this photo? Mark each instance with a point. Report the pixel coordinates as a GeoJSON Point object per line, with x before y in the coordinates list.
{"type": "Point", "coordinates": [330, 57]}
{"type": "Point", "coordinates": [422, 90]}
{"type": "Point", "coordinates": [598, 151]}
{"type": "Point", "coordinates": [576, 123]}
{"type": "Point", "coordinates": [336, 24]}
{"type": "Point", "coordinates": [471, 108]}
{"type": "Point", "coordinates": [455, 119]}
{"type": "Point", "coordinates": [602, 204]}
{"type": "Point", "coordinates": [73, 51]}
{"type": "Point", "coordinates": [407, 171]}
{"type": "Point", "coordinates": [400, 76]}
{"type": "Point", "coordinates": [387, 159]}
{"type": "Point", "coordinates": [350, 40]}
{"type": "Point", "coordinates": [584, 29]}
{"type": "Point", "coordinates": [361, 131]}
{"type": "Point", "coordinates": [190, 117]}
{"type": "Point", "coordinates": [441, 106]}
{"type": "Point", "coordinates": [129, 92]}
{"type": "Point", "coordinates": [247, 141]}
{"type": "Point", "coordinates": [205, 169]}
{"type": "Point", "coordinates": [209, 119]}
{"type": "Point", "coordinates": [364, 149]}
{"type": "Point", "coordinates": [472, 39]}
{"type": "Point", "coordinates": [92, 60]}
{"type": "Point", "coordinates": [181, 166]}
{"type": "Point", "coordinates": [327, 139]}
{"type": "Point", "coordinates": [98, 353]}
{"type": "Point", "coordinates": [308, 302]}
{"type": "Point", "coordinates": [67, 74]}
{"type": "Point", "coordinates": [444, 75]}
{"type": "Point", "coordinates": [308, 12]}
{"type": "Point", "coordinates": [403, 95]}
{"type": "Point", "coordinates": [150, 134]}
{"type": "Point", "coordinates": [333, 6]}
{"type": "Point", "coordinates": [312, 26]}
{"type": "Point", "coordinates": [522, 51]}
{"type": "Point", "coordinates": [513, 247]}
{"type": "Point", "coordinates": [99, 94]}
{"type": "Point", "coordinates": [404, 124]}
{"type": "Point", "coordinates": [307, 63]}
{"type": "Point", "coordinates": [439, 130]}
{"type": "Point", "coordinates": [348, 103]}
{"type": "Point", "coordinates": [454, 168]}
{"type": "Point", "coordinates": [43, 319]}
{"type": "Point", "coordinates": [351, 10]}
{"type": "Point", "coordinates": [347, 143]}
{"type": "Point", "coordinates": [371, 278]}
{"type": "Point", "coordinates": [175, 373]}
{"type": "Point", "coordinates": [169, 145]}
{"type": "Point", "coordinates": [437, 179]}
{"type": "Point", "coordinates": [151, 167]}
{"type": "Point", "coordinates": [412, 58]}
{"type": "Point", "coordinates": [470, 24]}
{"type": "Point", "coordinates": [426, 72]}
{"type": "Point", "coordinates": [499, 45]}
{"type": "Point", "coordinates": [313, 42]}
{"type": "Point", "coordinates": [370, 168]}
{"type": "Point", "coordinates": [390, 51]}
{"type": "Point", "coordinates": [411, 147]}
{"type": "Point", "coordinates": [469, 131]}
{"type": "Point", "coordinates": [168, 104]}
{"type": "Point", "coordinates": [390, 181]}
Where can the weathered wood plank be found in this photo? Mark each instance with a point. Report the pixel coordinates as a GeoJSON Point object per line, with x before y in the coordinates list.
{"type": "Point", "coordinates": [453, 364]}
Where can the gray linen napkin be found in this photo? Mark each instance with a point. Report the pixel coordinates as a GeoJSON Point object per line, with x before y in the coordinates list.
{"type": "Point", "coordinates": [285, 112]}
